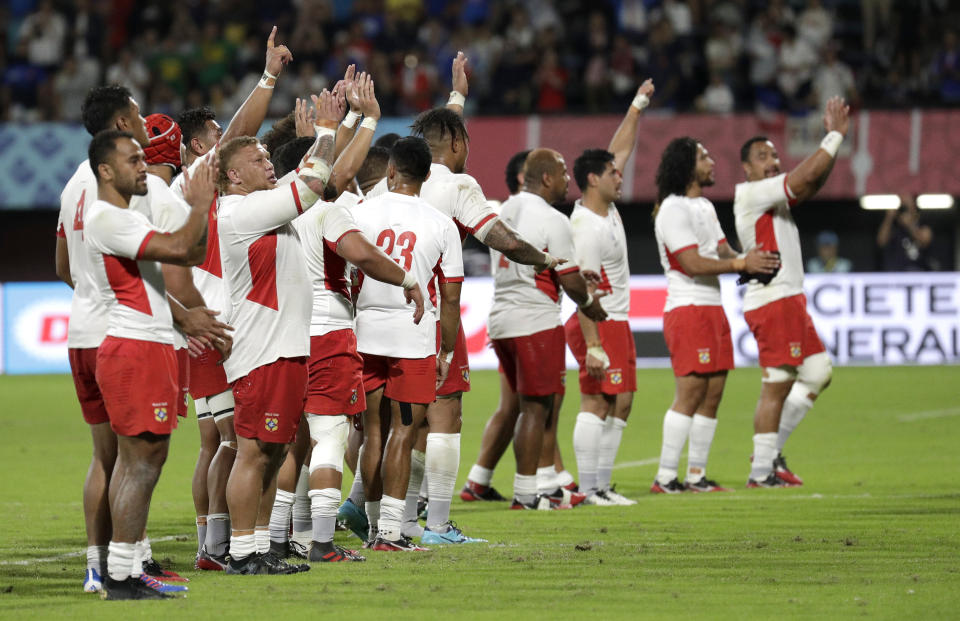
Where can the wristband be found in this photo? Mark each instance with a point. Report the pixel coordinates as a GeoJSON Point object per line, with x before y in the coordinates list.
{"type": "Point", "coordinates": [317, 168]}
{"type": "Point", "coordinates": [456, 99]}
{"type": "Point", "coordinates": [640, 102]}
{"type": "Point", "coordinates": [350, 120]}
{"type": "Point", "coordinates": [597, 352]}
{"type": "Point", "coordinates": [369, 123]}
{"type": "Point", "coordinates": [409, 280]}
{"type": "Point", "coordinates": [588, 302]}
{"type": "Point", "coordinates": [831, 143]}
{"type": "Point", "coordinates": [446, 357]}
{"type": "Point", "coordinates": [267, 80]}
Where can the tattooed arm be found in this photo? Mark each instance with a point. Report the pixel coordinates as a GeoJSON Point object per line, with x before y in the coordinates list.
{"type": "Point", "coordinates": [503, 238]}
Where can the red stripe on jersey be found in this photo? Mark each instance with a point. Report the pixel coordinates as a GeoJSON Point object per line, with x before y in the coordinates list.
{"type": "Point", "coordinates": [464, 231]}
{"type": "Point", "coordinates": [296, 196]}
{"type": "Point", "coordinates": [454, 279]}
{"type": "Point", "coordinates": [143, 244]}
{"type": "Point", "coordinates": [722, 241]}
{"type": "Point", "coordinates": [672, 259]}
{"type": "Point", "coordinates": [568, 270]}
{"type": "Point", "coordinates": [791, 199]}
{"type": "Point", "coordinates": [548, 282]}
{"type": "Point", "coordinates": [764, 232]}
{"type": "Point", "coordinates": [334, 270]}
{"type": "Point", "coordinates": [60, 231]}
{"type": "Point", "coordinates": [211, 262]}
{"type": "Point", "coordinates": [481, 223]}
{"type": "Point", "coordinates": [262, 258]}
{"type": "Point", "coordinates": [432, 285]}
{"type": "Point", "coordinates": [126, 282]}
{"type": "Point", "coordinates": [604, 281]}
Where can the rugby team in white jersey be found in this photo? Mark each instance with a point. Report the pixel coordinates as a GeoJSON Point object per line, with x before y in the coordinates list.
{"type": "Point", "coordinates": [307, 312]}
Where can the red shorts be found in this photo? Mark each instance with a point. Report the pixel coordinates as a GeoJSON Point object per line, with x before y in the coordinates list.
{"type": "Point", "coordinates": [207, 377]}
{"type": "Point", "coordinates": [83, 364]}
{"type": "Point", "coordinates": [784, 332]}
{"type": "Point", "coordinates": [458, 380]}
{"type": "Point", "coordinates": [335, 375]}
{"type": "Point", "coordinates": [269, 400]}
{"type": "Point", "coordinates": [617, 341]}
{"type": "Point", "coordinates": [698, 338]}
{"type": "Point", "coordinates": [408, 380]}
{"type": "Point", "coordinates": [563, 383]}
{"type": "Point", "coordinates": [138, 380]}
{"type": "Point", "coordinates": [534, 365]}
{"type": "Point", "coordinates": [183, 380]}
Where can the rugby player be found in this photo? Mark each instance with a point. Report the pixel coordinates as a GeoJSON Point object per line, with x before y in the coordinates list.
{"type": "Point", "coordinates": [796, 368]}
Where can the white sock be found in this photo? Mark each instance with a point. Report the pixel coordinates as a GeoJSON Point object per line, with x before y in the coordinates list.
{"type": "Point", "coordinates": [676, 427]}
{"type": "Point", "coordinates": [96, 558]}
{"type": "Point", "coordinates": [417, 463]}
{"type": "Point", "coordinates": [425, 485]}
{"type": "Point", "coordinates": [609, 445]}
{"type": "Point", "coordinates": [764, 452]}
{"type": "Point", "coordinates": [794, 409]}
{"type": "Point", "coordinates": [302, 510]}
{"type": "Point", "coordinates": [480, 475]}
{"type": "Point", "coordinates": [141, 552]}
{"type": "Point", "coordinates": [546, 480]}
{"type": "Point", "coordinates": [372, 509]}
{"type": "Point", "coordinates": [218, 533]}
{"type": "Point", "coordinates": [280, 516]}
{"type": "Point", "coordinates": [391, 516]}
{"type": "Point", "coordinates": [262, 538]}
{"type": "Point", "coordinates": [525, 488]}
{"type": "Point", "coordinates": [586, 446]}
{"type": "Point", "coordinates": [323, 511]}
{"type": "Point", "coordinates": [701, 437]}
{"type": "Point", "coordinates": [356, 490]}
{"type": "Point", "coordinates": [242, 546]}
{"type": "Point", "coordinates": [443, 463]}
{"type": "Point", "coordinates": [564, 478]}
{"type": "Point", "coordinates": [201, 531]}
{"type": "Point", "coordinates": [120, 560]}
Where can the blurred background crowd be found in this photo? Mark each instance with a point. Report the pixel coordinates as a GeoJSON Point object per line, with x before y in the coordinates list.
{"type": "Point", "coordinates": [526, 56]}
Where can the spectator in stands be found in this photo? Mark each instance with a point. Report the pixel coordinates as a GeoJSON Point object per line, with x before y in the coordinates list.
{"type": "Point", "coordinates": [827, 259]}
{"type": "Point", "coordinates": [551, 80]}
{"type": "Point", "coordinates": [795, 71]}
{"type": "Point", "coordinates": [717, 98]}
{"type": "Point", "coordinates": [815, 25]}
{"type": "Point", "coordinates": [946, 68]}
{"type": "Point", "coordinates": [44, 33]}
{"type": "Point", "coordinates": [903, 240]}
{"type": "Point", "coordinates": [71, 85]}
{"type": "Point", "coordinates": [130, 71]}
{"type": "Point", "coordinates": [833, 77]}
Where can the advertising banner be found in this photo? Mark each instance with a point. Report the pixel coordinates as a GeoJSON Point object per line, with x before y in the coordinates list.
{"type": "Point", "coordinates": [862, 319]}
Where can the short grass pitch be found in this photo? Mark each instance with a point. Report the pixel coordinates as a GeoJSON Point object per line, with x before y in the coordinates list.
{"type": "Point", "coordinates": [874, 532]}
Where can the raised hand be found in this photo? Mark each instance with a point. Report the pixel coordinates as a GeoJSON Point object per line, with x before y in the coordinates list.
{"type": "Point", "coordinates": [304, 116]}
{"type": "Point", "coordinates": [647, 88]}
{"type": "Point", "coordinates": [328, 110]}
{"type": "Point", "coordinates": [363, 98]}
{"type": "Point", "coordinates": [459, 81]}
{"type": "Point", "coordinates": [277, 55]}
{"type": "Point", "coordinates": [836, 117]}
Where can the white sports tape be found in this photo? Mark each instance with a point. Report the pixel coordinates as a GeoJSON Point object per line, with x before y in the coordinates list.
{"type": "Point", "coordinates": [229, 444]}
{"type": "Point", "coordinates": [350, 120]}
{"type": "Point", "coordinates": [456, 99]}
{"type": "Point", "coordinates": [831, 143]}
{"type": "Point", "coordinates": [203, 409]}
{"type": "Point", "coordinates": [316, 168]}
{"type": "Point", "coordinates": [330, 434]}
{"type": "Point", "coordinates": [448, 357]}
{"type": "Point", "coordinates": [815, 372]}
{"type": "Point", "coordinates": [777, 375]}
{"type": "Point", "coordinates": [409, 280]}
{"type": "Point", "coordinates": [640, 102]}
{"type": "Point", "coordinates": [597, 352]}
{"type": "Point", "coordinates": [369, 123]}
{"type": "Point", "coordinates": [221, 405]}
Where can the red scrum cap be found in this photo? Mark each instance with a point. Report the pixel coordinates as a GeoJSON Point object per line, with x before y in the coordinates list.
{"type": "Point", "coordinates": [164, 136]}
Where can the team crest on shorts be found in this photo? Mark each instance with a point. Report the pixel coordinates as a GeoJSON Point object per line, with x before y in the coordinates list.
{"type": "Point", "coordinates": [563, 379]}
{"type": "Point", "coordinates": [160, 414]}
{"type": "Point", "coordinates": [271, 422]}
{"type": "Point", "coordinates": [795, 350]}
{"type": "Point", "coordinates": [616, 377]}
{"type": "Point", "coordinates": [703, 356]}
{"type": "Point", "coordinates": [465, 374]}
{"type": "Point", "coordinates": [353, 396]}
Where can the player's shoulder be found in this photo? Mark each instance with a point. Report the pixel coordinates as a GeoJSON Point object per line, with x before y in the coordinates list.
{"type": "Point", "coordinates": [81, 179]}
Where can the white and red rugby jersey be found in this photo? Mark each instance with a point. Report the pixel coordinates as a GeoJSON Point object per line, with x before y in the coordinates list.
{"type": "Point", "coordinates": [600, 244]}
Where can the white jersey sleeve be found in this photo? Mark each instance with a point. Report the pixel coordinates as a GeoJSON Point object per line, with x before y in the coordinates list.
{"type": "Point", "coordinates": [473, 212]}
{"type": "Point", "coordinates": [756, 197]}
{"type": "Point", "coordinates": [675, 227]}
{"type": "Point", "coordinates": [114, 232]}
{"type": "Point", "coordinates": [601, 246]}
{"type": "Point", "coordinates": [685, 223]}
{"type": "Point", "coordinates": [450, 268]}
{"type": "Point", "coordinates": [267, 210]}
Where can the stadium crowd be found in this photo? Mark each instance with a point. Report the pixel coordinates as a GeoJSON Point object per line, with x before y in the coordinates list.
{"type": "Point", "coordinates": [711, 55]}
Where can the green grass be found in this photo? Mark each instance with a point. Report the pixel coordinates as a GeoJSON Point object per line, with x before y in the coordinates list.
{"type": "Point", "coordinates": [872, 533]}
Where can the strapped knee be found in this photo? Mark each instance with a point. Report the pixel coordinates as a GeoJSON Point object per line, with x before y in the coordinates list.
{"type": "Point", "coordinates": [229, 445]}
{"type": "Point", "coordinates": [221, 405]}
{"type": "Point", "coordinates": [815, 372]}
{"type": "Point", "coordinates": [777, 375]}
{"type": "Point", "coordinates": [330, 434]}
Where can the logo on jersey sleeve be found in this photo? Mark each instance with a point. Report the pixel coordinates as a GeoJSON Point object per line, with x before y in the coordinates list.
{"type": "Point", "coordinates": [465, 374]}
{"type": "Point", "coordinates": [160, 415]}
{"type": "Point", "coordinates": [353, 397]}
{"type": "Point", "coordinates": [703, 356]}
{"type": "Point", "coordinates": [795, 350]}
{"type": "Point", "coordinates": [271, 422]}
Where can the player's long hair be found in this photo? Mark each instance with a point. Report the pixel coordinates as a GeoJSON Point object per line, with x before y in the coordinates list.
{"type": "Point", "coordinates": [434, 125]}
{"type": "Point", "coordinates": [677, 169]}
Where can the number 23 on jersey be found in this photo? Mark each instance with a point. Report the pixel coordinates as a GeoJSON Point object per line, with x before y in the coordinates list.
{"type": "Point", "coordinates": [389, 241]}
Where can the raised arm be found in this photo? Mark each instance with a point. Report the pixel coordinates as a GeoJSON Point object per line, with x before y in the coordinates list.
{"type": "Point", "coordinates": [363, 99]}
{"type": "Point", "coordinates": [625, 138]}
{"type": "Point", "coordinates": [809, 176]}
{"type": "Point", "coordinates": [316, 168]}
{"type": "Point", "coordinates": [348, 128]}
{"type": "Point", "coordinates": [461, 86]}
{"type": "Point", "coordinates": [249, 118]}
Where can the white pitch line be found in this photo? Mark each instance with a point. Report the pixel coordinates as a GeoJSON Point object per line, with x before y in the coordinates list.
{"type": "Point", "coordinates": [915, 416]}
{"type": "Point", "coordinates": [62, 557]}
{"type": "Point", "coordinates": [636, 464]}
